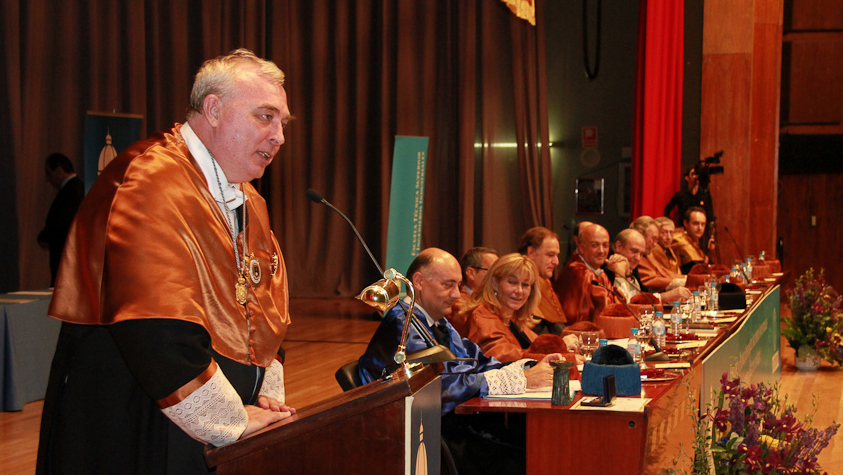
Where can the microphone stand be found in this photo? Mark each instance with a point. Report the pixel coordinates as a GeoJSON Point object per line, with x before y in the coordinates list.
{"type": "Point", "coordinates": [658, 355]}
{"type": "Point", "coordinates": [434, 352]}
{"type": "Point", "coordinates": [740, 254]}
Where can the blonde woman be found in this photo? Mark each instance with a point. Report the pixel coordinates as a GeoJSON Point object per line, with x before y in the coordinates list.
{"type": "Point", "coordinates": [500, 313]}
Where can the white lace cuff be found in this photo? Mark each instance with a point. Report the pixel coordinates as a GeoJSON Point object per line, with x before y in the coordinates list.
{"type": "Point", "coordinates": [507, 380]}
{"type": "Point", "coordinates": [273, 382]}
{"type": "Point", "coordinates": [213, 413]}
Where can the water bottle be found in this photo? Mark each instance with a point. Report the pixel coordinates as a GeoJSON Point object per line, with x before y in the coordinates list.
{"type": "Point", "coordinates": [761, 256]}
{"type": "Point", "coordinates": [703, 291]}
{"type": "Point", "coordinates": [676, 319]}
{"type": "Point", "coordinates": [633, 346]}
{"type": "Point", "coordinates": [659, 330]}
{"type": "Point", "coordinates": [602, 342]}
{"type": "Point", "coordinates": [713, 298]}
{"type": "Point", "coordinates": [735, 276]}
{"type": "Point", "coordinates": [748, 270]}
{"type": "Point", "coordinates": [696, 308]}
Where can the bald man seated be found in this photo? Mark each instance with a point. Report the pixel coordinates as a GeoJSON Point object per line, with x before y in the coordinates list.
{"type": "Point", "coordinates": [581, 300]}
{"type": "Point", "coordinates": [575, 236]}
{"type": "Point", "coordinates": [655, 268]}
{"type": "Point", "coordinates": [436, 276]}
{"type": "Point", "coordinates": [629, 249]}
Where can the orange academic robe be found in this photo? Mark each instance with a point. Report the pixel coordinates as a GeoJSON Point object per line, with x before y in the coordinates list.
{"type": "Point", "coordinates": [580, 299]}
{"type": "Point", "coordinates": [494, 337]}
{"type": "Point", "coordinates": [687, 249]}
{"type": "Point", "coordinates": [549, 307]}
{"type": "Point", "coordinates": [458, 319]}
{"type": "Point", "coordinates": [658, 269]}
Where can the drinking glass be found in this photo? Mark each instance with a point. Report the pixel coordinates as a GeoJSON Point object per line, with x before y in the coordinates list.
{"type": "Point", "coordinates": [589, 342]}
{"type": "Point", "coordinates": [646, 318]}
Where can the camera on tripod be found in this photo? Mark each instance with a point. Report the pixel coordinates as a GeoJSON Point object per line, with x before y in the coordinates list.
{"type": "Point", "coordinates": [708, 166]}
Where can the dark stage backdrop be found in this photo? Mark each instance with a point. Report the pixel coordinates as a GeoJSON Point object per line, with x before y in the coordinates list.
{"type": "Point", "coordinates": [466, 73]}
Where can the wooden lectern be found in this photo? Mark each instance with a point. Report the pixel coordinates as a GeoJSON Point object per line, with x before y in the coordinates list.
{"type": "Point", "coordinates": [383, 427]}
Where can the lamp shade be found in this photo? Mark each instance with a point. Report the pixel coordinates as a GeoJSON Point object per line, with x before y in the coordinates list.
{"type": "Point", "coordinates": [381, 295]}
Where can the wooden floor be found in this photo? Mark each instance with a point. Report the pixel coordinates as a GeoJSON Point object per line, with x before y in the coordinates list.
{"type": "Point", "coordinates": [325, 334]}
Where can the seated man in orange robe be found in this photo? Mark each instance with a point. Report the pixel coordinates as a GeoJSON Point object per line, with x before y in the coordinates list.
{"type": "Point", "coordinates": [655, 267]}
{"type": "Point", "coordinates": [686, 241]}
{"type": "Point", "coordinates": [581, 300]}
{"type": "Point", "coordinates": [575, 236]}
{"type": "Point", "coordinates": [629, 248]}
{"type": "Point", "coordinates": [475, 264]}
{"type": "Point", "coordinates": [541, 246]}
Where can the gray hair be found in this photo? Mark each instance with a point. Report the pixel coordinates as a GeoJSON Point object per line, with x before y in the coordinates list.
{"type": "Point", "coordinates": [642, 224]}
{"type": "Point", "coordinates": [662, 220]}
{"type": "Point", "coordinates": [218, 76]}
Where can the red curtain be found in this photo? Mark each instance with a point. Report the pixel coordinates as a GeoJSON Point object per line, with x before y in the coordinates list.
{"type": "Point", "coordinates": [657, 125]}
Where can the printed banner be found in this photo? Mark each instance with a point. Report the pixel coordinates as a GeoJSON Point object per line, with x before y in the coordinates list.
{"type": "Point", "coordinates": [753, 350]}
{"type": "Point", "coordinates": [106, 135]}
{"type": "Point", "coordinates": [406, 202]}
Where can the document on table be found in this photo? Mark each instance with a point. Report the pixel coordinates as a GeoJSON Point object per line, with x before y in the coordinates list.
{"type": "Point", "coordinates": [543, 394]}
{"type": "Point", "coordinates": [9, 301]}
{"type": "Point", "coordinates": [621, 404]}
{"type": "Point", "coordinates": [678, 365]}
{"type": "Point", "coordinates": [691, 344]}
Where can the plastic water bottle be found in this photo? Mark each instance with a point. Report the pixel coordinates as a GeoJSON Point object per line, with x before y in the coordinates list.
{"type": "Point", "coordinates": [659, 330]}
{"type": "Point", "coordinates": [676, 319]}
{"type": "Point", "coordinates": [713, 298]}
{"type": "Point", "coordinates": [748, 269]}
{"type": "Point", "coordinates": [633, 346]}
{"type": "Point", "coordinates": [696, 308]}
{"type": "Point", "coordinates": [602, 342]}
{"type": "Point", "coordinates": [761, 256]}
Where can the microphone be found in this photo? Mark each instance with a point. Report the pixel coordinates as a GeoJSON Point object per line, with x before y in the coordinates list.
{"type": "Point", "coordinates": [616, 293]}
{"type": "Point", "coordinates": [658, 355]}
{"type": "Point", "coordinates": [316, 197]}
{"type": "Point", "coordinates": [740, 254]}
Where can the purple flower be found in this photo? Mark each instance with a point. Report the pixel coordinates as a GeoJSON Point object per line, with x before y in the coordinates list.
{"type": "Point", "coordinates": [736, 415]}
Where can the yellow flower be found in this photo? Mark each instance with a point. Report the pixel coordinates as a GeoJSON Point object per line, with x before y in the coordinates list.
{"type": "Point", "coordinates": [771, 442]}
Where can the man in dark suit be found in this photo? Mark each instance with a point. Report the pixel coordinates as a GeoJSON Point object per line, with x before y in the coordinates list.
{"type": "Point", "coordinates": [60, 174]}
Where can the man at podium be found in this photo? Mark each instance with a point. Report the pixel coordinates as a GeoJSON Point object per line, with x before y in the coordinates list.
{"type": "Point", "coordinates": [173, 290]}
{"type": "Point", "coordinates": [436, 276]}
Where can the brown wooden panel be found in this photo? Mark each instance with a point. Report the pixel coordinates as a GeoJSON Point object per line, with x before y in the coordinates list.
{"type": "Point", "coordinates": [585, 442]}
{"type": "Point", "coordinates": [814, 77]}
{"type": "Point", "coordinates": [725, 122]}
{"type": "Point", "coordinates": [731, 34]}
{"type": "Point", "coordinates": [814, 14]}
{"type": "Point", "coordinates": [801, 197]}
{"type": "Point", "coordinates": [738, 116]}
{"type": "Point", "coordinates": [766, 67]}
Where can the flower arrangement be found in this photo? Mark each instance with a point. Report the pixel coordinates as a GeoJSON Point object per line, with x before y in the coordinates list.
{"type": "Point", "coordinates": [749, 430]}
{"type": "Point", "coordinates": [816, 319]}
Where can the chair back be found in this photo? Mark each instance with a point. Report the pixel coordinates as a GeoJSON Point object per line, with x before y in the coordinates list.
{"type": "Point", "coordinates": [347, 376]}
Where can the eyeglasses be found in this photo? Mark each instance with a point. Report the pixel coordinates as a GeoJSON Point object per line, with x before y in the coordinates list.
{"type": "Point", "coordinates": [479, 268]}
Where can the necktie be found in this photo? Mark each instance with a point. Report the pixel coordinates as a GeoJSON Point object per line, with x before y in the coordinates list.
{"type": "Point", "coordinates": [442, 335]}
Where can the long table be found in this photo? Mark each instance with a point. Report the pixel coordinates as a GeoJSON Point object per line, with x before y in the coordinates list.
{"type": "Point", "coordinates": [570, 441]}
{"type": "Point", "coordinates": [27, 342]}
